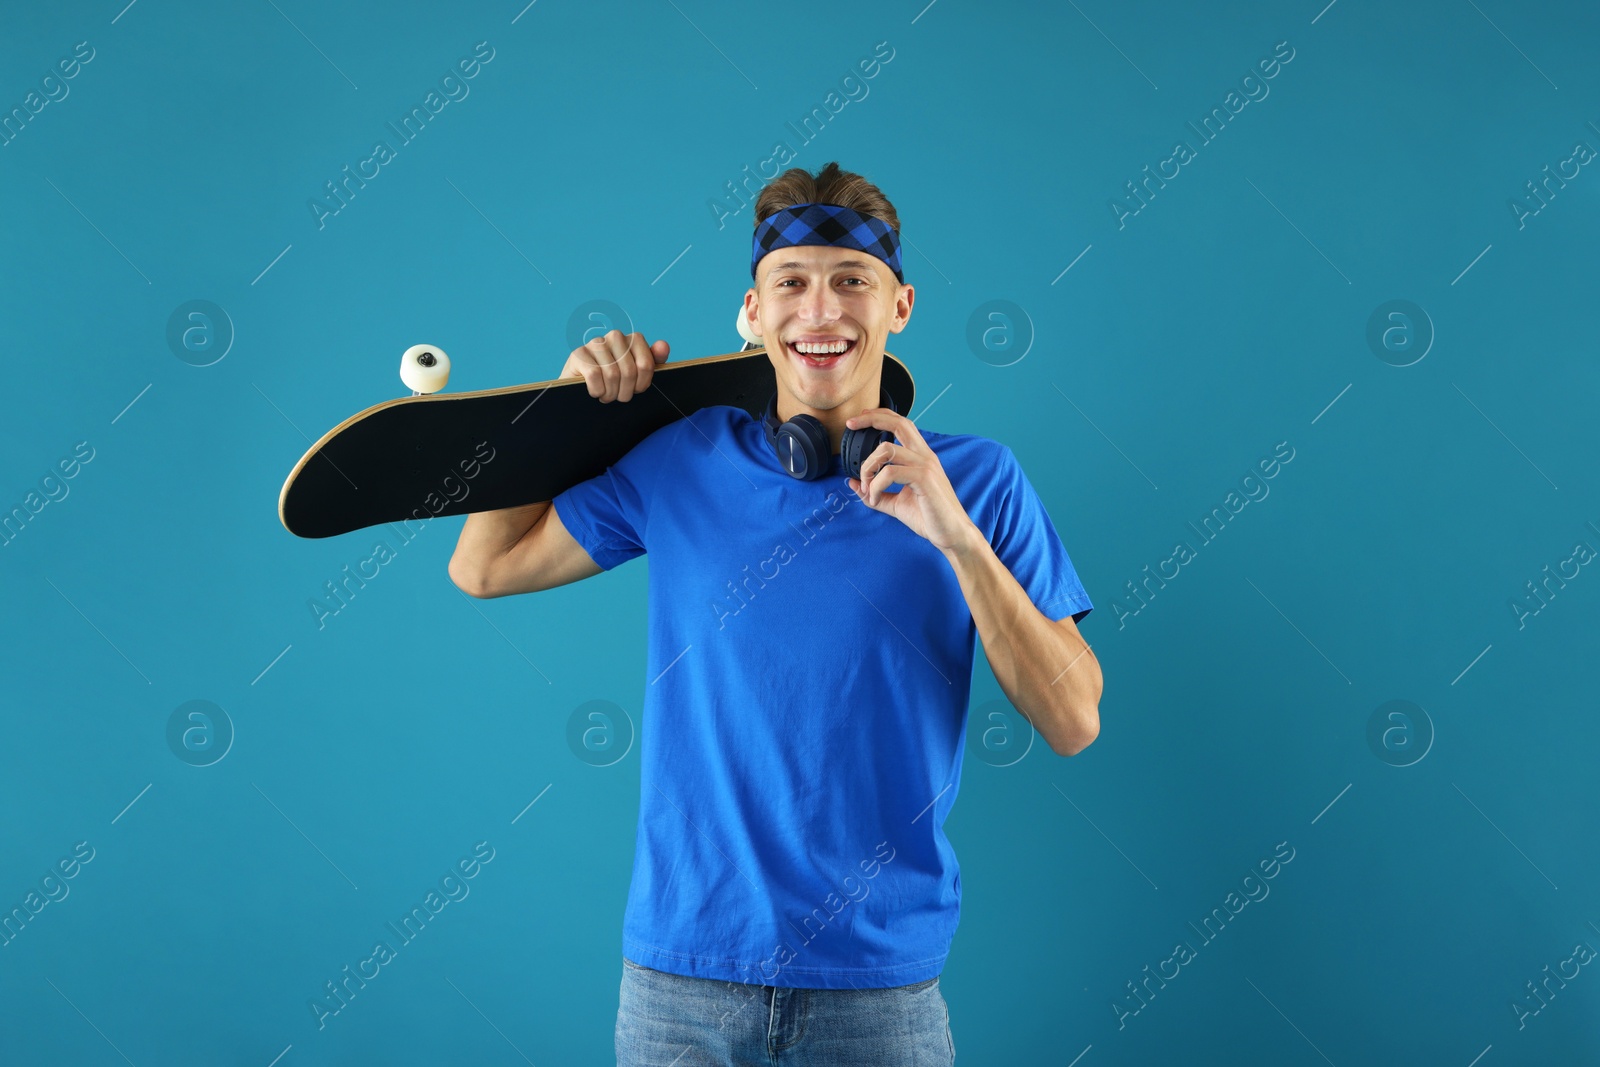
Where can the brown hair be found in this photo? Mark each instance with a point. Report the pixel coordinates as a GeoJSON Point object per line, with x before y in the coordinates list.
{"type": "Point", "coordinates": [830, 185]}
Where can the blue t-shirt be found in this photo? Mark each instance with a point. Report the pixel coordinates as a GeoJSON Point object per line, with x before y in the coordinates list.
{"type": "Point", "coordinates": [809, 666]}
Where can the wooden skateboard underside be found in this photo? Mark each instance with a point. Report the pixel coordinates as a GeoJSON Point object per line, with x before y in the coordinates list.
{"type": "Point", "coordinates": [421, 457]}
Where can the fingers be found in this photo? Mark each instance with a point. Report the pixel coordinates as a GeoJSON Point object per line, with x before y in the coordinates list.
{"type": "Point", "coordinates": [882, 478]}
{"type": "Point", "coordinates": [607, 351]}
{"type": "Point", "coordinates": [633, 366]}
{"type": "Point", "coordinates": [614, 366]}
{"type": "Point", "coordinates": [643, 359]}
{"type": "Point", "coordinates": [906, 430]}
{"type": "Point", "coordinates": [911, 435]}
{"type": "Point", "coordinates": [900, 425]}
{"type": "Point", "coordinates": [888, 464]}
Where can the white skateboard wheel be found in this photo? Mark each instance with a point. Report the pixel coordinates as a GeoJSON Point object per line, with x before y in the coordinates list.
{"type": "Point", "coordinates": [425, 368]}
{"type": "Point", "coordinates": [744, 329]}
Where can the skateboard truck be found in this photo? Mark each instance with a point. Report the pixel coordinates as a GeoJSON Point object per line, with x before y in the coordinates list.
{"type": "Point", "coordinates": [424, 369]}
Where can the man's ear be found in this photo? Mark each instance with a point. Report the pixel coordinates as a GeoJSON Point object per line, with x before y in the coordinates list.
{"type": "Point", "coordinates": [909, 295]}
{"type": "Point", "coordinates": [751, 335]}
{"type": "Point", "coordinates": [752, 312]}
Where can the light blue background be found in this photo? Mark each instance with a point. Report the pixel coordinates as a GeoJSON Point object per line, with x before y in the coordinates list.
{"type": "Point", "coordinates": [1229, 315]}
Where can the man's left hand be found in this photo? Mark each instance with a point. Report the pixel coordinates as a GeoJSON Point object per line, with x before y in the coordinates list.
{"type": "Point", "coordinates": [928, 504]}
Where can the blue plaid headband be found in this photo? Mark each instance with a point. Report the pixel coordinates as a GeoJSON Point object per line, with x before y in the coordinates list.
{"type": "Point", "coordinates": [827, 224]}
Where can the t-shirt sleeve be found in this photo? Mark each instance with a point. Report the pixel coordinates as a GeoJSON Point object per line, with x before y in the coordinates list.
{"type": "Point", "coordinates": [1026, 541]}
{"type": "Point", "coordinates": [609, 514]}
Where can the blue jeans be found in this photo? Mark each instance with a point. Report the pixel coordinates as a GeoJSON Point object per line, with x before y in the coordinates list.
{"type": "Point", "coordinates": [671, 1020]}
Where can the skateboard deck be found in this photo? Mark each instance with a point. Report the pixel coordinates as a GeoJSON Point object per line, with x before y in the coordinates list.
{"type": "Point", "coordinates": [421, 457]}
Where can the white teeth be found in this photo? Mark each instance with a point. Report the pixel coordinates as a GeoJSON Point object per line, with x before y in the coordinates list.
{"type": "Point", "coordinates": [833, 348]}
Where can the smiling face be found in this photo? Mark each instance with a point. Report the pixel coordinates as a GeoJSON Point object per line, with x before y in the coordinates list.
{"type": "Point", "coordinates": [818, 294]}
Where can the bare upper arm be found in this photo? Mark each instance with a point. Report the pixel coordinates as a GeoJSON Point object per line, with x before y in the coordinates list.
{"type": "Point", "coordinates": [546, 556]}
{"type": "Point", "coordinates": [563, 559]}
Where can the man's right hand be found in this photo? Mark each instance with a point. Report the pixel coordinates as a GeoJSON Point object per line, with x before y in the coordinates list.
{"type": "Point", "coordinates": [616, 367]}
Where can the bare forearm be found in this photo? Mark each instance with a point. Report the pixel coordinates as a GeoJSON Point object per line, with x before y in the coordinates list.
{"type": "Point", "coordinates": [1044, 666]}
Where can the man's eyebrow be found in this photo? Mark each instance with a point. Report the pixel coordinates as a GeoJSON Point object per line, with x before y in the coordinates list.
{"type": "Point", "coordinates": [843, 264]}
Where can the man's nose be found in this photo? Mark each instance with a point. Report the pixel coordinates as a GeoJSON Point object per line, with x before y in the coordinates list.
{"type": "Point", "coordinates": [820, 306]}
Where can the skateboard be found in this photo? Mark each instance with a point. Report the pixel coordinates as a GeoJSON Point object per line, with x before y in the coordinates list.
{"type": "Point", "coordinates": [433, 454]}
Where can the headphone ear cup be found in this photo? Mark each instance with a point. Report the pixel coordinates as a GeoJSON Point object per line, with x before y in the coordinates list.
{"type": "Point", "coordinates": [802, 447]}
{"type": "Point", "coordinates": [856, 445]}
{"type": "Point", "coordinates": [849, 452]}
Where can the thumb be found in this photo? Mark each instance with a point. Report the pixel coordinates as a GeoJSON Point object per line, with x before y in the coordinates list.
{"type": "Point", "coordinates": [660, 350]}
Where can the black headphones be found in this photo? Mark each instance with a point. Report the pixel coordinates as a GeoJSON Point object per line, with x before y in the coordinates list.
{"type": "Point", "coordinates": [801, 443]}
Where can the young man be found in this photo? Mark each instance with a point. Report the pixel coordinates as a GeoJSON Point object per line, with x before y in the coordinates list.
{"type": "Point", "coordinates": [810, 656]}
